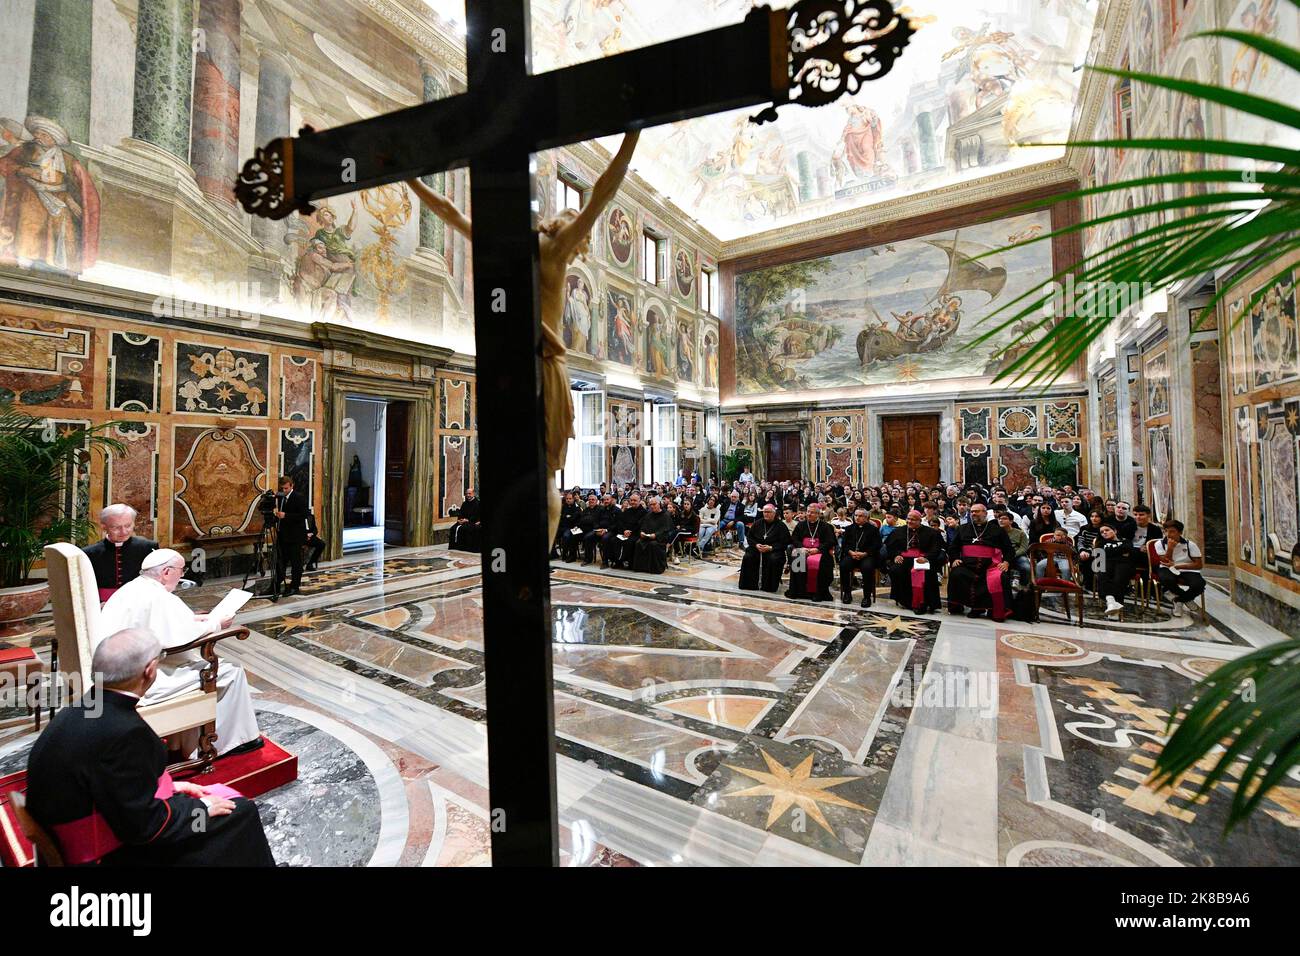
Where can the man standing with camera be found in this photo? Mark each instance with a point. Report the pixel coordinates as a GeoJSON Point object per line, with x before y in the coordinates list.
{"type": "Point", "coordinates": [291, 522]}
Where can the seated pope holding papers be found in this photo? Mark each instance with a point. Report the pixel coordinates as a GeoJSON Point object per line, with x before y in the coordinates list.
{"type": "Point", "coordinates": [148, 602]}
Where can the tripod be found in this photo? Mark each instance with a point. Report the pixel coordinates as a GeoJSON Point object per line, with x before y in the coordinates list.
{"type": "Point", "coordinates": [266, 555]}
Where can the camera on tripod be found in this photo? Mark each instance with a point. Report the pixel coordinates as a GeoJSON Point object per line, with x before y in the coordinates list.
{"type": "Point", "coordinates": [267, 506]}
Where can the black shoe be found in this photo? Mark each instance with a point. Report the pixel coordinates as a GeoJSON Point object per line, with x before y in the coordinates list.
{"type": "Point", "coordinates": [975, 612]}
{"type": "Point", "coordinates": [866, 602]}
{"type": "Point", "coordinates": [289, 592]}
{"type": "Point", "coordinates": [247, 748]}
{"type": "Point", "coordinates": [847, 599]}
{"type": "Point", "coordinates": [310, 567]}
{"type": "Point", "coordinates": [955, 609]}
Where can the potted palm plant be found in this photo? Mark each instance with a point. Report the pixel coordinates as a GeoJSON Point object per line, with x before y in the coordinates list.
{"type": "Point", "coordinates": [1242, 722]}
{"type": "Point", "coordinates": [37, 459]}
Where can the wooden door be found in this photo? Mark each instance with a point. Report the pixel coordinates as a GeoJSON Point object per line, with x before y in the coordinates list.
{"type": "Point", "coordinates": [784, 457]}
{"type": "Point", "coordinates": [911, 448]}
{"type": "Point", "coordinates": [396, 452]}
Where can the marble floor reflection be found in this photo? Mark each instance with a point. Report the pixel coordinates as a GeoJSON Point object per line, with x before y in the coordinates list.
{"type": "Point", "coordinates": [700, 725]}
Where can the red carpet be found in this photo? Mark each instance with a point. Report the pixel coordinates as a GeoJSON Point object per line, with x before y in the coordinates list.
{"type": "Point", "coordinates": [252, 774]}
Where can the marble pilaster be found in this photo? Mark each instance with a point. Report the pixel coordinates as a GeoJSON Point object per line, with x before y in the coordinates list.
{"type": "Point", "coordinates": [60, 76]}
{"type": "Point", "coordinates": [164, 70]}
{"type": "Point", "coordinates": [214, 135]}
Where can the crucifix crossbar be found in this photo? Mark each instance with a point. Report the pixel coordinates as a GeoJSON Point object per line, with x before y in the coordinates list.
{"type": "Point", "coordinates": [810, 54]}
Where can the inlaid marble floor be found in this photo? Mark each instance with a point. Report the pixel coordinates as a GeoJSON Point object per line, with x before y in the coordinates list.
{"type": "Point", "coordinates": [696, 724]}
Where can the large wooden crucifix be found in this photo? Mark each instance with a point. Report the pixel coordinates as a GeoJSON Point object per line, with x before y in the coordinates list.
{"type": "Point", "coordinates": [810, 55]}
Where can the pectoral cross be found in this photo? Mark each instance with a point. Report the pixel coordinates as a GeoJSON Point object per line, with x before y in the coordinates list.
{"type": "Point", "coordinates": [809, 55]}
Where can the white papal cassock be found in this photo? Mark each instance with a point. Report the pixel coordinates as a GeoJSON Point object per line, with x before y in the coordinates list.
{"type": "Point", "coordinates": [145, 603]}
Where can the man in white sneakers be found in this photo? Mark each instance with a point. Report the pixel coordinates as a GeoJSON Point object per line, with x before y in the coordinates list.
{"type": "Point", "coordinates": [1179, 567]}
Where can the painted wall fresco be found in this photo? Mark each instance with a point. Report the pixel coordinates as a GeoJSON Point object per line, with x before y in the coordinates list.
{"type": "Point", "coordinates": [907, 311]}
{"type": "Point", "coordinates": [136, 194]}
{"type": "Point", "coordinates": [972, 84]}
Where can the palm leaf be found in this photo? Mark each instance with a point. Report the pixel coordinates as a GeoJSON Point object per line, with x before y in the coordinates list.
{"type": "Point", "coordinates": [1219, 225]}
{"type": "Point", "coordinates": [1260, 729]}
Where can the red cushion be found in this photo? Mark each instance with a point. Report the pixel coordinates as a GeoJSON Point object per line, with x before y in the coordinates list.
{"type": "Point", "coordinates": [15, 849]}
{"type": "Point", "coordinates": [14, 655]}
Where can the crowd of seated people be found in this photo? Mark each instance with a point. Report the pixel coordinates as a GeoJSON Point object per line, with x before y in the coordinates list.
{"type": "Point", "coordinates": [978, 537]}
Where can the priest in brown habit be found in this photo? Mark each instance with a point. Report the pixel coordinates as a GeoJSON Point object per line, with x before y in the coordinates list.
{"type": "Point", "coordinates": [563, 238]}
{"type": "Point", "coordinates": [764, 559]}
{"type": "Point", "coordinates": [812, 559]}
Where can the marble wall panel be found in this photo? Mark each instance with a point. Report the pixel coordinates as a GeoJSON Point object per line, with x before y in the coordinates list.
{"type": "Point", "coordinates": [132, 478]}
{"type": "Point", "coordinates": [213, 379]}
{"type": "Point", "coordinates": [297, 455]}
{"type": "Point", "coordinates": [454, 472]}
{"type": "Point", "coordinates": [45, 363]}
{"type": "Point", "coordinates": [1207, 408]}
{"type": "Point", "coordinates": [298, 385]}
{"type": "Point", "coordinates": [134, 372]}
{"type": "Point", "coordinates": [220, 472]}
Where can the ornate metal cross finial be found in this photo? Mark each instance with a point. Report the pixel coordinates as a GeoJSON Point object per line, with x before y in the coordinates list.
{"type": "Point", "coordinates": [838, 45]}
{"type": "Point", "coordinates": [265, 184]}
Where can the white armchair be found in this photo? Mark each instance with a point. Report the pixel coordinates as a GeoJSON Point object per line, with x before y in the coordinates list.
{"type": "Point", "coordinates": [75, 599]}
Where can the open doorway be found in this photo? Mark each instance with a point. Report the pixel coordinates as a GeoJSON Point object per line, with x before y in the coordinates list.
{"type": "Point", "coordinates": [364, 498]}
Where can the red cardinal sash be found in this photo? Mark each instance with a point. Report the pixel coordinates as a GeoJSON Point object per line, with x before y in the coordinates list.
{"type": "Point", "coordinates": [992, 576]}
{"type": "Point", "coordinates": [814, 559]}
{"type": "Point", "coordinates": [90, 838]}
{"type": "Point", "coordinates": [918, 578]}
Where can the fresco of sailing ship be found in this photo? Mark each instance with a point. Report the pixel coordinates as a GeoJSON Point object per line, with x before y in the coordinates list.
{"type": "Point", "coordinates": [930, 327]}
{"type": "Point", "coordinates": [909, 310]}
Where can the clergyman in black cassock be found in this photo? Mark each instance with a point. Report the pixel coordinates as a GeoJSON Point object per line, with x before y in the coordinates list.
{"type": "Point", "coordinates": [764, 559]}
{"type": "Point", "coordinates": [96, 778]}
{"type": "Point", "coordinates": [916, 589]}
{"type": "Point", "coordinates": [980, 561]}
{"type": "Point", "coordinates": [620, 546]}
{"type": "Point", "coordinates": [859, 551]}
{"type": "Point", "coordinates": [651, 554]}
{"type": "Point", "coordinates": [570, 513]}
{"type": "Point", "coordinates": [585, 526]}
{"type": "Point", "coordinates": [116, 564]}
{"type": "Point", "coordinates": [604, 524]}
{"type": "Point", "coordinates": [464, 533]}
{"type": "Point", "coordinates": [812, 558]}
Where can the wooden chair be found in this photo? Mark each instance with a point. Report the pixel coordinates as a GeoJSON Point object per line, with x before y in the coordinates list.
{"type": "Point", "coordinates": [75, 599]}
{"type": "Point", "coordinates": [1153, 582]}
{"type": "Point", "coordinates": [47, 848]}
{"type": "Point", "coordinates": [1052, 582]}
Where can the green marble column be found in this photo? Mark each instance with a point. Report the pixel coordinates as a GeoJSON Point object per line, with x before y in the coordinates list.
{"type": "Point", "coordinates": [59, 88]}
{"type": "Point", "coordinates": [164, 68]}
{"type": "Point", "coordinates": [433, 231]}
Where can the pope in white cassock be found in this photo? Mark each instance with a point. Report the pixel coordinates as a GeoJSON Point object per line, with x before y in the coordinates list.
{"type": "Point", "coordinates": [148, 602]}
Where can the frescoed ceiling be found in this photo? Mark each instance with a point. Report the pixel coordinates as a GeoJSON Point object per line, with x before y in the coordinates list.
{"type": "Point", "coordinates": [978, 85]}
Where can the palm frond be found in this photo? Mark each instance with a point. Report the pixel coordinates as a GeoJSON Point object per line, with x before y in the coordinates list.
{"type": "Point", "coordinates": [1246, 715]}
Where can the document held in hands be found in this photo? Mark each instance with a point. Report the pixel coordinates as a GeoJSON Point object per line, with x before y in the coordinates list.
{"type": "Point", "coordinates": [920, 564]}
{"type": "Point", "coordinates": [228, 608]}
